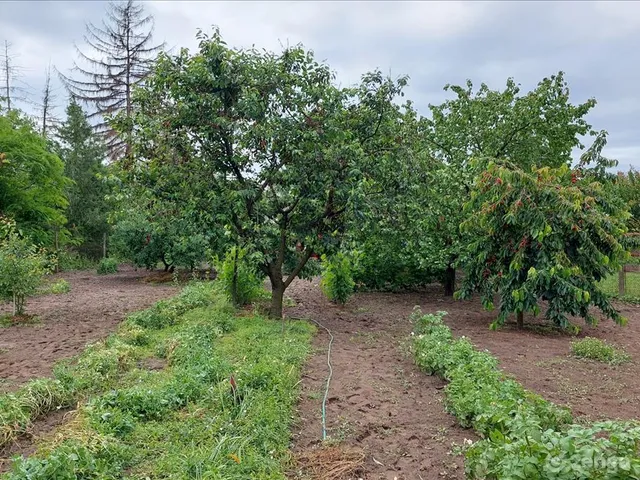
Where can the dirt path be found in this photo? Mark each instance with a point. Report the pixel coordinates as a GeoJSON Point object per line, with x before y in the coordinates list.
{"type": "Point", "coordinates": [378, 400]}
{"type": "Point", "coordinates": [68, 322]}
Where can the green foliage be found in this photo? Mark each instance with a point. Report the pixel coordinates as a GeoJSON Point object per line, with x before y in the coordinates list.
{"type": "Point", "coordinates": [628, 187]}
{"type": "Point", "coordinates": [101, 459]}
{"type": "Point", "coordinates": [146, 242]}
{"type": "Point", "coordinates": [596, 349]}
{"type": "Point", "coordinates": [22, 267]}
{"type": "Point", "coordinates": [58, 287]}
{"type": "Point", "coordinates": [478, 393]}
{"type": "Point", "coordinates": [102, 365]}
{"type": "Point", "coordinates": [186, 420]}
{"type": "Point", "coordinates": [523, 435]}
{"type": "Point", "coordinates": [604, 450]}
{"type": "Point", "coordinates": [533, 129]}
{"type": "Point", "coordinates": [271, 153]}
{"type": "Point", "coordinates": [107, 266]}
{"type": "Point", "coordinates": [548, 233]}
{"type": "Point", "coordinates": [82, 154]}
{"type": "Point", "coordinates": [337, 282]}
{"type": "Point", "coordinates": [167, 312]}
{"type": "Point", "coordinates": [32, 181]}
{"type": "Point", "coordinates": [68, 260]}
{"type": "Point", "coordinates": [19, 409]}
{"type": "Point", "coordinates": [237, 277]}
{"type": "Point", "coordinates": [386, 231]}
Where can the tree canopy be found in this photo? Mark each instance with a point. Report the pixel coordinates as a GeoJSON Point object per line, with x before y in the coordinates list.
{"type": "Point", "coordinates": [278, 158]}
{"type": "Point", "coordinates": [83, 153]}
{"type": "Point", "coordinates": [542, 234]}
{"type": "Point", "coordinates": [32, 181]}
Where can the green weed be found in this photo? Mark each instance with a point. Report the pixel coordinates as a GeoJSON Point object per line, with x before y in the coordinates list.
{"type": "Point", "coordinates": [523, 435]}
{"type": "Point", "coordinates": [337, 281]}
{"type": "Point", "coordinates": [107, 266]}
{"type": "Point", "coordinates": [599, 350]}
{"type": "Point", "coordinates": [185, 421]}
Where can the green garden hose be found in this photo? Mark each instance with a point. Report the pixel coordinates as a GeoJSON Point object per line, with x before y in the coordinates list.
{"type": "Point", "coordinates": [326, 391]}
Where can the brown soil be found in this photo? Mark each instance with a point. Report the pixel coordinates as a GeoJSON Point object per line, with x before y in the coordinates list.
{"type": "Point", "coordinates": [381, 404]}
{"type": "Point", "coordinates": [378, 402]}
{"type": "Point", "coordinates": [25, 445]}
{"type": "Point", "coordinates": [68, 322]}
{"type": "Point", "coordinates": [541, 359]}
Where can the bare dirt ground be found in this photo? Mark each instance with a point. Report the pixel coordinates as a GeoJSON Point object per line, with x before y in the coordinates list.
{"type": "Point", "coordinates": [378, 400]}
{"type": "Point", "coordinates": [381, 404]}
{"type": "Point", "coordinates": [68, 322]}
{"type": "Point", "coordinates": [542, 360]}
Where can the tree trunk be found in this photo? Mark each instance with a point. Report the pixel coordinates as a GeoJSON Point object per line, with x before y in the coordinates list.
{"type": "Point", "coordinates": [520, 320]}
{"type": "Point", "coordinates": [277, 295]}
{"type": "Point", "coordinates": [449, 281]}
{"type": "Point", "coordinates": [234, 280]}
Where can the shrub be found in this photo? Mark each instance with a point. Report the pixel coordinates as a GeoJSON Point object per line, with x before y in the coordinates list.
{"type": "Point", "coordinates": [596, 349]}
{"type": "Point", "coordinates": [22, 267]}
{"type": "Point", "coordinates": [71, 260]}
{"type": "Point", "coordinates": [107, 266]}
{"type": "Point", "coordinates": [337, 282]}
{"type": "Point", "coordinates": [237, 278]}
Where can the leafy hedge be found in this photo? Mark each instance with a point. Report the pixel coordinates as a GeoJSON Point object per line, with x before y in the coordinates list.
{"type": "Point", "coordinates": [523, 435]}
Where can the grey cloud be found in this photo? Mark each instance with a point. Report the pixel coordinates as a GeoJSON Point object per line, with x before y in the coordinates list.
{"type": "Point", "coordinates": [435, 43]}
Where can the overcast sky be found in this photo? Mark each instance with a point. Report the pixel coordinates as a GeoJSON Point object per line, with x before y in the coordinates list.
{"type": "Point", "coordinates": [595, 43]}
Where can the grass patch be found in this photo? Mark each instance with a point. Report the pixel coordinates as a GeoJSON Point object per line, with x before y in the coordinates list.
{"type": "Point", "coordinates": [186, 420]}
{"type": "Point", "coordinates": [599, 350]}
{"type": "Point", "coordinates": [56, 288]}
{"type": "Point", "coordinates": [8, 320]}
{"type": "Point", "coordinates": [632, 288]}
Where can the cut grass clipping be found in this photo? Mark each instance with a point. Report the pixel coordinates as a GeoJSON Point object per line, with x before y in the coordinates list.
{"type": "Point", "coordinates": [523, 435]}
{"type": "Point", "coordinates": [187, 420]}
{"type": "Point", "coordinates": [599, 350]}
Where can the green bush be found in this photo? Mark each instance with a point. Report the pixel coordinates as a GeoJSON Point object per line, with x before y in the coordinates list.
{"type": "Point", "coordinates": [337, 282]}
{"type": "Point", "coordinates": [22, 267]}
{"type": "Point", "coordinates": [523, 435]}
{"type": "Point", "coordinates": [596, 349]}
{"type": "Point", "coordinates": [107, 266]}
{"type": "Point", "coordinates": [237, 278]}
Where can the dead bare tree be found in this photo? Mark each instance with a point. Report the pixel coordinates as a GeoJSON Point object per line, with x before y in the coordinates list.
{"type": "Point", "coordinates": [12, 89]}
{"type": "Point", "coordinates": [47, 117]}
{"type": "Point", "coordinates": [123, 54]}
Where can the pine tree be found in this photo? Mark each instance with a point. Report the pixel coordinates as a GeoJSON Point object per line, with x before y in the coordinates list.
{"type": "Point", "coordinates": [123, 53]}
{"type": "Point", "coordinates": [83, 153]}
